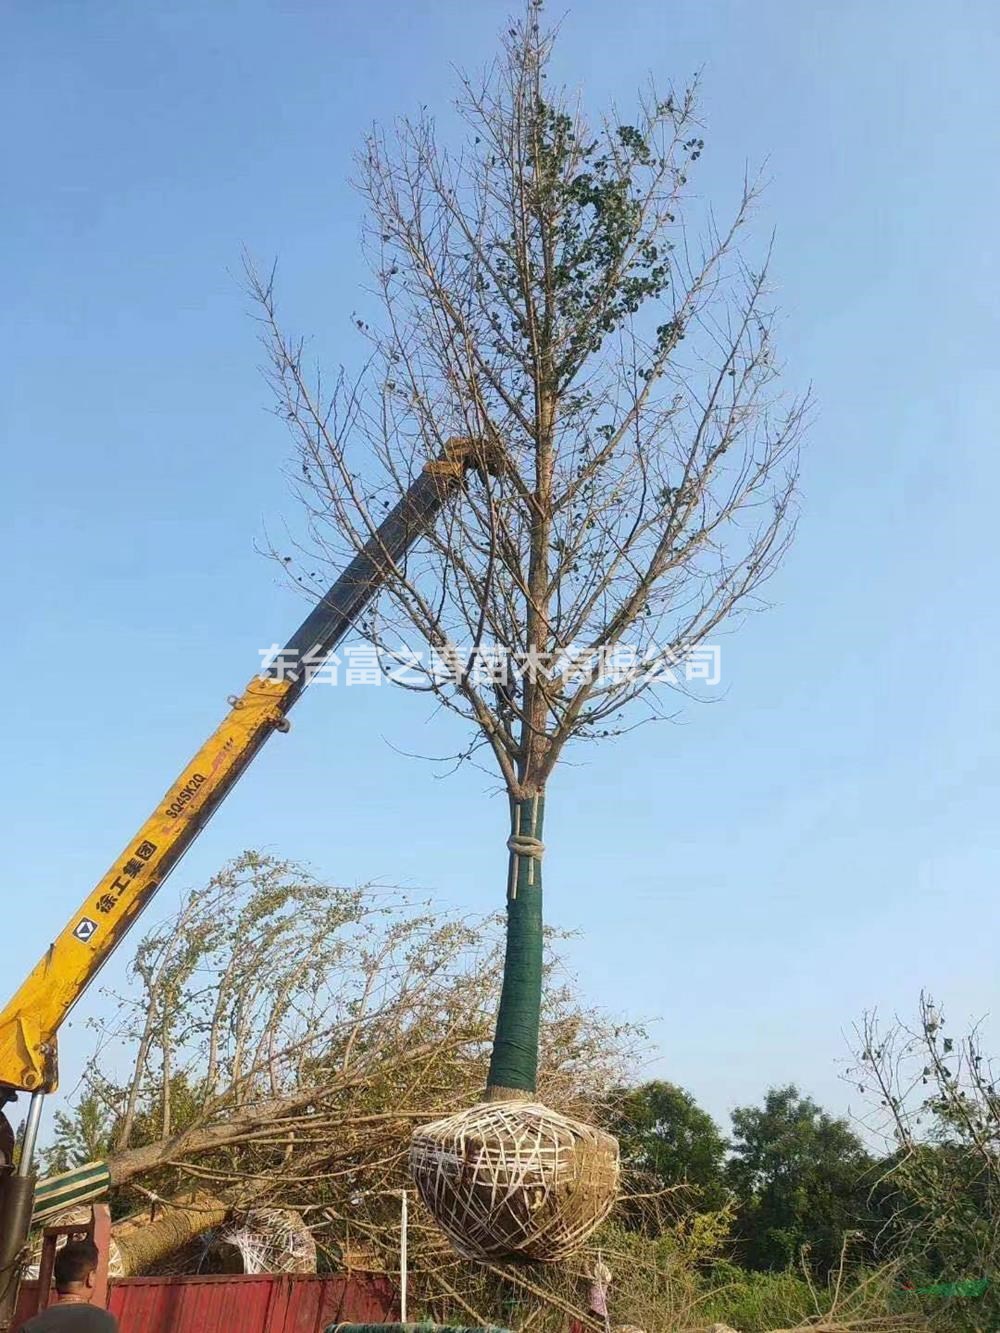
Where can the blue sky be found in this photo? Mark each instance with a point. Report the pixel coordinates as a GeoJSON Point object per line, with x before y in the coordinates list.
{"type": "Point", "coordinates": [822, 839]}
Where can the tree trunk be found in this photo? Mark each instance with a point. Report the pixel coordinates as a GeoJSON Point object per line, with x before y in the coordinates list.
{"type": "Point", "coordinates": [142, 1245]}
{"type": "Point", "coordinates": [514, 1063]}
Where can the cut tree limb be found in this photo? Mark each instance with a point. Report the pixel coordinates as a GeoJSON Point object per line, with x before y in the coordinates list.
{"type": "Point", "coordinates": [142, 1243]}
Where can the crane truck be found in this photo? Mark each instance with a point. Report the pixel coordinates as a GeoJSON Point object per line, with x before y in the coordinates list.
{"type": "Point", "coordinates": [30, 1021]}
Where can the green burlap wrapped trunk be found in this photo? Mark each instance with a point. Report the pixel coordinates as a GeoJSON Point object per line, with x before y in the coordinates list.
{"type": "Point", "coordinates": [510, 1178]}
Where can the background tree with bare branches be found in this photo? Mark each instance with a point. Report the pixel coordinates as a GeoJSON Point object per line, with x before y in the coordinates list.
{"type": "Point", "coordinates": [932, 1097]}
{"type": "Point", "coordinates": [544, 288]}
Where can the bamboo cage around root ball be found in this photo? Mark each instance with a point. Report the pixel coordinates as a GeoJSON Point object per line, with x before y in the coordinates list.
{"type": "Point", "coordinates": [269, 1240]}
{"type": "Point", "coordinates": [515, 1180]}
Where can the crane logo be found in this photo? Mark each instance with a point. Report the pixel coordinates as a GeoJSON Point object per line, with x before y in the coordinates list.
{"type": "Point", "coordinates": [84, 929]}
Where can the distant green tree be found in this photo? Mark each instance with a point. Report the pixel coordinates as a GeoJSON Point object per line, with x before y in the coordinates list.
{"type": "Point", "coordinates": [800, 1178]}
{"type": "Point", "coordinates": [666, 1136]}
{"type": "Point", "coordinates": [82, 1134]}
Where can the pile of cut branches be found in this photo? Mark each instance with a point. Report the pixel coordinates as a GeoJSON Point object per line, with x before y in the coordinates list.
{"type": "Point", "coordinates": [282, 1036]}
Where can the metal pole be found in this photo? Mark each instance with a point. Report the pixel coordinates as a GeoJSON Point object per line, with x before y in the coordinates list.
{"type": "Point", "coordinates": [402, 1259]}
{"type": "Point", "coordinates": [17, 1195]}
{"type": "Point", "coordinates": [30, 1136]}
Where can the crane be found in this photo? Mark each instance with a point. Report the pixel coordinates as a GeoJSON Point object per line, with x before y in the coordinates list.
{"type": "Point", "coordinates": [30, 1021]}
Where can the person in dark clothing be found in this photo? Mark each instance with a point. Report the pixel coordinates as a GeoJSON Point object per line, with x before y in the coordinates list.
{"type": "Point", "coordinates": [75, 1274]}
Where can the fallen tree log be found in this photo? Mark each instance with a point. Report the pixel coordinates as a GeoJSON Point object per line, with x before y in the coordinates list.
{"type": "Point", "coordinates": [142, 1242]}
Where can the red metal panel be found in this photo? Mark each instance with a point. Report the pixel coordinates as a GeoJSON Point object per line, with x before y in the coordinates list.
{"type": "Point", "coordinates": [267, 1304]}
{"type": "Point", "coordinates": [27, 1304]}
{"type": "Point", "coordinates": [184, 1305]}
{"type": "Point", "coordinates": [312, 1305]}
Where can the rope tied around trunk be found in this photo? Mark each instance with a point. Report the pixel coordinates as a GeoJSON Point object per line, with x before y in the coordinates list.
{"type": "Point", "coordinates": [523, 844]}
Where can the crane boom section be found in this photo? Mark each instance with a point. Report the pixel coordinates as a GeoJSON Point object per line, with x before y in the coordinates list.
{"type": "Point", "coordinates": [30, 1022]}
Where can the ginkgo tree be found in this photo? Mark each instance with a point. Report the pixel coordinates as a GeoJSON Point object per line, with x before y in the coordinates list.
{"type": "Point", "coordinates": [545, 285]}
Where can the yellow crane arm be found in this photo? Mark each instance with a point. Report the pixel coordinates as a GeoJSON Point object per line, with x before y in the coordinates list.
{"type": "Point", "coordinates": [30, 1021]}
